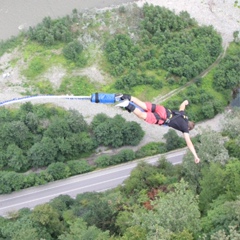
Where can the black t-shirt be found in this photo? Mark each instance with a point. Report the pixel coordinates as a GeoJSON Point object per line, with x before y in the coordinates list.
{"type": "Point", "coordinates": [179, 123]}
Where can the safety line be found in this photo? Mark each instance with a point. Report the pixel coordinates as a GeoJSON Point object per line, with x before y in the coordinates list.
{"type": "Point", "coordinates": [15, 100]}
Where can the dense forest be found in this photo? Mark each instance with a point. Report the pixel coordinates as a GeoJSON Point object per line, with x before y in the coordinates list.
{"type": "Point", "coordinates": [146, 51]}
{"type": "Point", "coordinates": [42, 136]}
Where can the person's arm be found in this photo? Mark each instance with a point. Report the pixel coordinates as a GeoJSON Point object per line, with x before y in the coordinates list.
{"type": "Point", "coordinates": [191, 147]}
{"type": "Point", "coordinates": [183, 105]}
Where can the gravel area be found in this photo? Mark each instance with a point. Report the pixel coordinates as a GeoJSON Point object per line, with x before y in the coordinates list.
{"type": "Point", "coordinates": [220, 13]}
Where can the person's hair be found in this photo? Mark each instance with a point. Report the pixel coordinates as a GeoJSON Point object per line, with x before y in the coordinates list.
{"type": "Point", "coordinates": [191, 125]}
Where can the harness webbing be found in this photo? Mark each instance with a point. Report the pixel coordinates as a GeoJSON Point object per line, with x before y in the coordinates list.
{"type": "Point", "coordinates": [158, 117]}
{"type": "Point", "coordinates": [170, 115]}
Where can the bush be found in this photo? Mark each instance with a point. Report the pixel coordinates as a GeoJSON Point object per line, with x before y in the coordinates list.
{"type": "Point", "coordinates": [79, 166]}
{"type": "Point", "coordinates": [58, 170]}
{"type": "Point", "coordinates": [72, 51]}
{"type": "Point", "coordinates": [151, 149]}
{"type": "Point", "coordinates": [103, 161]}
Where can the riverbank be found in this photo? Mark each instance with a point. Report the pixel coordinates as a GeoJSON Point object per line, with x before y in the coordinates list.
{"type": "Point", "coordinates": [19, 15]}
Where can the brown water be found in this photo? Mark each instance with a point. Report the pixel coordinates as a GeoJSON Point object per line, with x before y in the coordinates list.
{"type": "Point", "coordinates": [20, 14]}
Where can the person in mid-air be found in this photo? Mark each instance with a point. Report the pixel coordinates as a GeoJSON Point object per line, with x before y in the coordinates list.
{"type": "Point", "coordinates": [157, 114]}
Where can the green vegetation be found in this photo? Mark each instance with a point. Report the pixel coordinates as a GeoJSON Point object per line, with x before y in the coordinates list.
{"type": "Point", "coordinates": [145, 51]}
{"type": "Point", "coordinates": [163, 201]}
{"type": "Point", "coordinates": [157, 52]}
{"type": "Point", "coordinates": [43, 136]}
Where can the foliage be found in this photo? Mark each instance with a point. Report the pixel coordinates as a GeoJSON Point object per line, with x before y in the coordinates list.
{"type": "Point", "coordinates": [231, 125]}
{"type": "Point", "coordinates": [72, 50]}
{"type": "Point", "coordinates": [50, 137]}
{"type": "Point", "coordinates": [144, 176]}
{"type": "Point", "coordinates": [150, 149]}
{"type": "Point", "coordinates": [58, 170]}
{"type": "Point", "coordinates": [9, 44]}
{"type": "Point", "coordinates": [121, 51]}
{"type": "Point", "coordinates": [95, 210]}
{"type": "Point", "coordinates": [222, 219]}
{"type": "Point", "coordinates": [211, 149]}
{"type": "Point", "coordinates": [115, 132]}
{"type": "Point", "coordinates": [49, 31]}
{"type": "Point", "coordinates": [189, 53]}
{"type": "Point", "coordinates": [212, 182]}
{"type": "Point", "coordinates": [76, 85]}
{"type": "Point", "coordinates": [79, 166]}
{"type": "Point", "coordinates": [160, 51]}
{"type": "Point", "coordinates": [226, 75]}
{"type": "Point", "coordinates": [173, 141]}
{"type": "Point", "coordinates": [47, 218]}
{"type": "Point", "coordinates": [174, 212]}
{"type": "Point", "coordinates": [80, 230]}
{"type": "Point", "coordinates": [124, 155]}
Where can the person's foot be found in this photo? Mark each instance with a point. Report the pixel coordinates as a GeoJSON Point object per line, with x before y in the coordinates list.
{"type": "Point", "coordinates": [123, 104]}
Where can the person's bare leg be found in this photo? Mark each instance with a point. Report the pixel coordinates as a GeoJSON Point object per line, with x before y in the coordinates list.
{"type": "Point", "coordinates": [140, 103]}
{"type": "Point", "coordinates": [140, 114]}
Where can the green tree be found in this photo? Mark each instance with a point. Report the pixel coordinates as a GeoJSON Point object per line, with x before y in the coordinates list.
{"type": "Point", "coordinates": [80, 143]}
{"type": "Point", "coordinates": [42, 153]}
{"type": "Point", "coordinates": [231, 126]}
{"type": "Point", "coordinates": [57, 128]}
{"type": "Point", "coordinates": [76, 122]}
{"type": "Point", "coordinates": [23, 228]}
{"type": "Point", "coordinates": [132, 133]}
{"type": "Point", "coordinates": [233, 147]}
{"type": "Point", "coordinates": [47, 218]}
{"type": "Point", "coordinates": [103, 161]}
{"type": "Point", "coordinates": [11, 181]}
{"type": "Point", "coordinates": [95, 210]}
{"type": "Point", "coordinates": [222, 219]}
{"type": "Point", "coordinates": [226, 75]}
{"type": "Point", "coordinates": [175, 212]}
{"type": "Point", "coordinates": [212, 182]}
{"type": "Point", "coordinates": [15, 132]}
{"type": "Point", "coordinates": [142, 178]}
{"type": "Point", "coordinates": [232, 174]}
{"type": "Point", "coordinates": [31, 121]}
{"type": "Point", "coordinates": [80, 231]}
{"type": "Point", "coordinates": [211, 147]}
{"type": "Point", "coordinates": [16, 159]}
{"type": "Point", "coordinates": [79, 166]}
{"type": "Point", "coordinates": [98, 119]}
{"type": "Point", "coordinates": [72, 50]}
{"type": "Point", "coordinates": [109, 133]}
{"type": "Point", "coordinates": [58, 170]}
{"type": "Point", "coordinates": [121, 50]}
{"type": "Point", "coordinates": [62, 203]}
{"type": "Point", "coordinates": [208, 110]}
{"type": "Point", "coordinates": [173, 141]}
{"type": "Point", "coordinates": [63, 148]}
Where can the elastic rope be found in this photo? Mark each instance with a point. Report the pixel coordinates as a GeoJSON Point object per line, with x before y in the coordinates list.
{"type": "Point", "coordinates": [15, 100]}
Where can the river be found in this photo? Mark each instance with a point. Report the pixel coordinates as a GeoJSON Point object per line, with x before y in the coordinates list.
{"type": "Point", "coordinates": [20, 14]}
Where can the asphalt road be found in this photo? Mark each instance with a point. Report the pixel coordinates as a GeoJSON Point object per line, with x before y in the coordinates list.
{"type": "Point", "coordinates": [97, 181]}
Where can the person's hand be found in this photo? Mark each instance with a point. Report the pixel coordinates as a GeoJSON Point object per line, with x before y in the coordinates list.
{"type": "Point", "coordinates": [186, 102]}
{"type": "Point", "coordinates": [197, 160]}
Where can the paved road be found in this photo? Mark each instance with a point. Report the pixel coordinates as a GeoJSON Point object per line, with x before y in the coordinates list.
{"type": "Point", "coordinates": [97, 181]}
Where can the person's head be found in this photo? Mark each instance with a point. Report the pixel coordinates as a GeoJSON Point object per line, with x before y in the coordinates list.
{"type": "Point", "coordinates": [191, 125]}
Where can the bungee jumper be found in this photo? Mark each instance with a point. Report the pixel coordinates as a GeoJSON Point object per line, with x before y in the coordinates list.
{"type": "Point", "coordinates": [149, 112]}
{"type": "Point", "coordinates": [158, 114]}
